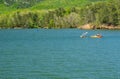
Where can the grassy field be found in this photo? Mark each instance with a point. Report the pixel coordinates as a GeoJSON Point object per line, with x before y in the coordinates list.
{"type": "Point", "coordinates": [60, 3]}
{"type": "Point", "coordinates": [49, 4]}
{"type": "Point", "coordinates": [53, 4]}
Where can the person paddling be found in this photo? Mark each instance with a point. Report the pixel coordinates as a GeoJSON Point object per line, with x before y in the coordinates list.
{"type": "Point", "coordinates": [84, 35]}
{"type": "Point", "coordinates": [99, 35]}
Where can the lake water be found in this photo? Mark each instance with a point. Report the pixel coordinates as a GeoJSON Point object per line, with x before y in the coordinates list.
{"type": "Point", "coordinates": [59, 54]}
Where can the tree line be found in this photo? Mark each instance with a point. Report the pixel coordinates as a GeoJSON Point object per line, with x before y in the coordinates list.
{"type": "Point", "coordinates": [101, 13]}
{"type": "Point", "coordinates": [94, 13]}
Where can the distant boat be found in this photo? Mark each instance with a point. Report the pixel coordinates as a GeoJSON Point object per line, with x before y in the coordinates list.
{"type": "Point", "coordinates": [96, 36]}
{"type": "Point", "coordinates": [84, 35]}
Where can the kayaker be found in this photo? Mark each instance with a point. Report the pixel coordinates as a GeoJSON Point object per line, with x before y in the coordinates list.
{"type": "Point", "coordinates": [84, 35]}
{"type": "Point", "coordinates": [99, 35]}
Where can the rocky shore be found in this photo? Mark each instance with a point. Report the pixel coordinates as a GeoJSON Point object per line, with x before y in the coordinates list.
{"type": "Point", "coordinates": [90, 26]}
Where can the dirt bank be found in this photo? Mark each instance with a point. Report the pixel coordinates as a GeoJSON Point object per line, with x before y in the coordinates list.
{"type": "Point", "coordinates": [104, 26]}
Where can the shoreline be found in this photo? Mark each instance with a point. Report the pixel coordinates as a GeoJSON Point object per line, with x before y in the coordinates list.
{"type": "Point", "coordinates": [83, 27]}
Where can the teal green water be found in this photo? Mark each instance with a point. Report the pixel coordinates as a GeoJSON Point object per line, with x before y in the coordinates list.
{"type": "Point", "coordinates": [59, 54]}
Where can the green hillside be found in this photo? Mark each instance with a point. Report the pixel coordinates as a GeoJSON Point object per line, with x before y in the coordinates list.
{"type": "Point", "coordinates": [8, 6]}
{"type": "Point", "coordinates": [6, 9]}
{"type": "Point", "coordinates": [53, 4]}
{"type": "Point", "coordinates": [59, 13]}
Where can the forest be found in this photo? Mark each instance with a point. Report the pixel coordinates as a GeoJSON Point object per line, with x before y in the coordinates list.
{"type": "Point", "coordinates": [59, 13]}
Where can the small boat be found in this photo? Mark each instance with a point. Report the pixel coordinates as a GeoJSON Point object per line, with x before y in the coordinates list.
{"type": "Point", "coordinates": [96, 36]}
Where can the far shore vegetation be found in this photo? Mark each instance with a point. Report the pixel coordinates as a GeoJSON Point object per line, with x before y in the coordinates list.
{"type": "Point", "coordinates": [99, 14]}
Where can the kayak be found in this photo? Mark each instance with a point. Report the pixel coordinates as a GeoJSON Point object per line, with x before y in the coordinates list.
{"type": "Point", "coordinates": [95, 36]}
